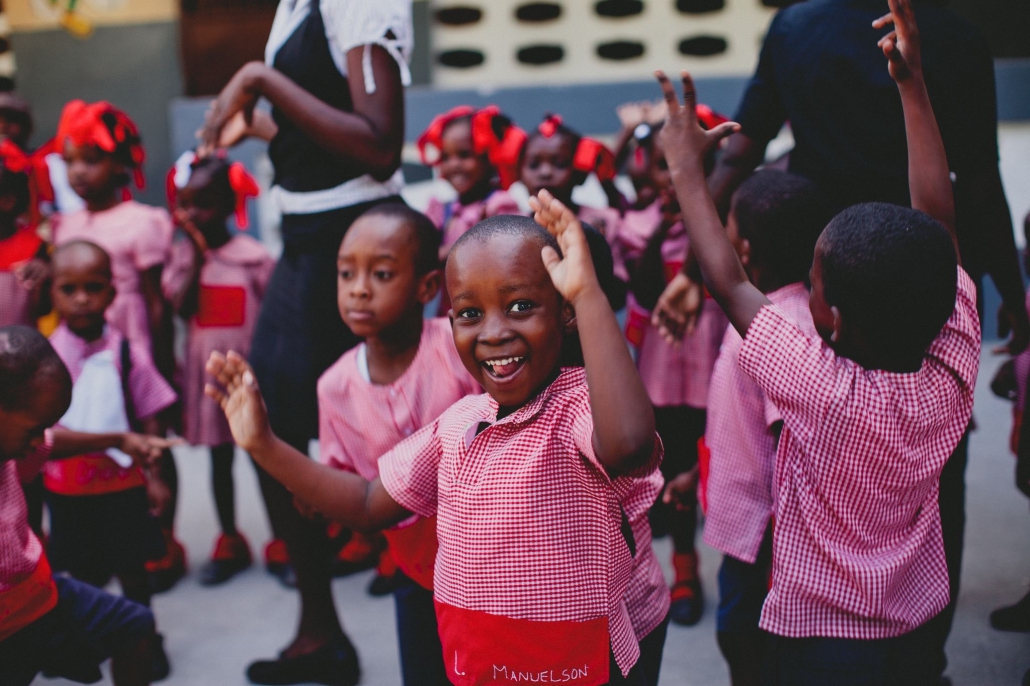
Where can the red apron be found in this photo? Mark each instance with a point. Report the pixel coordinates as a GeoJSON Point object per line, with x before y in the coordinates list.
{"type": "Point", "coordinates": [413, 548]}
{"type": "Point", "coordinates": [481, 648]}
{"type": "Point", "coordinates": [26, 602]}
{"type": "Point", "coordinates": [221, 306]}
{"type": "Point", "coordinates": [93, 474]}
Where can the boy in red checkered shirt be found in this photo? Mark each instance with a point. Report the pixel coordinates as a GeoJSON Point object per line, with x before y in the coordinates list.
{"type": "Point", "coordinates": [872, 407]}
{"type": "Point", "coordinates": [535, 549]}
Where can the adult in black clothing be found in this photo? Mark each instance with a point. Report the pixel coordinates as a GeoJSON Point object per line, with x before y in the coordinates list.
{"type": "Point", "coordinates": [820, 69]}
{"type": "Point", "coordinates": [334, 73]}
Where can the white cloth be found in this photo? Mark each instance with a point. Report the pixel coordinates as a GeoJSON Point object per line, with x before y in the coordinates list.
{"type": "Point", "coordinates": [349, 24]}
{"type": "Point", "coordinates": [353, 192]}
{"type": "Point", "coordinates": [66, 199]}
{"type": "Point", "coordinates": [98, 404]}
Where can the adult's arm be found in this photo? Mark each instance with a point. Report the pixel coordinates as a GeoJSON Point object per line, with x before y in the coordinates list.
{"type": "Point", "coordinates": [370, 137]}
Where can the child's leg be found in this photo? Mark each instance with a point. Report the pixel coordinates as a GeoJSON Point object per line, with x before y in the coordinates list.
{"type": "Point", "coordinates": [743, 587]}
{"type": "Point", "coordinates": [222, 486]}
{"type": "Point", "coordinates": [652, 647]}
{"type": "Point", "coordinates": [418, 637]}
{"type": "Point", "coordinates": [168, 473]}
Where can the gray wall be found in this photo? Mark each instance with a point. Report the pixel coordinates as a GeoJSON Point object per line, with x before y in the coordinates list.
{"type": "Point", "coordinates": [134, 67]}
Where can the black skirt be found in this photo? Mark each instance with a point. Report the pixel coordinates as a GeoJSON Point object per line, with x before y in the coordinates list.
{"type": "Point", "coordinates": [299, 331]}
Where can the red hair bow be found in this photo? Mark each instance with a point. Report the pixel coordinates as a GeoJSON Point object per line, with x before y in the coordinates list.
{"type": "Point", "coordinates": [593, 156]}
{"type": "Point", "coordinates": [708, 117]}
{"type": "Point", "coordinates": [84, 124]}
{"type": "Point", "coordinates": [35, 167]}
{"type": "Point", "coordinates": [243, 186]}
{"type": "Point", "coordinates": [549, 126]}
{"type": "Point", "coordinates": [433, 135]}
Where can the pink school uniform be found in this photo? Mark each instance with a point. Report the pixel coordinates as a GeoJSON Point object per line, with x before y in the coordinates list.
{"type": "Point", "coordinates": [137, 237]}
{"type": "Point", "coordinates": [27, 590]}
{"type": "Point", "coordinates": [454, 219]}
{"type": "Point", "coordinates": [15, 300]}
{"type": "Point", "coordinates": [532, 568]}
{"type": "Point", "coordinates": [232, 283]}
{"type": "Point", "coordinates": [97, 474]}
{"type": "Point", "coordinates": [739, 486]}
{"type": "Point", "coordinates": [647, 595]}
{"type": "Point", "coordinates": [605, 219]}
{"type": "Point", "coordinates": [858, 552]}
{"type": "Point", "coordinates": [673, 376]}
{"type": "Point", "coordinates": [359, 421]}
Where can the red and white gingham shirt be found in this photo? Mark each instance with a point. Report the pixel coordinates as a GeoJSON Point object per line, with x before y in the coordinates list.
{"type": "Point", "coordinates": [647, 596]}
{"type": "Point", "coordinates": [528, 519]}
{"type": "Point", "coordinates": [742, 445]}
{"type": "Point", "coordinates": [858, 552]}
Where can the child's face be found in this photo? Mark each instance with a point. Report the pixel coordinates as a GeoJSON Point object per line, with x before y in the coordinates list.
{"type": "Point", "coordinates": [92, 173]}
{"type": "Point", "coordinates": [21, 430]}
{"type": "Point", "coordinates": [81, 293]}
{"type": "Point", "coordinates": [377, 286]}
{"type": "Point", "coordinates": [200, 206]}
{"type": "Point", "coordinates": [547, 163]}
{"type": "Point", "coordinates": [658, 168]}
{"type": "Point", "coordinates": [508, 320]}
{"type": "Point", "coordinates": [460, 166]}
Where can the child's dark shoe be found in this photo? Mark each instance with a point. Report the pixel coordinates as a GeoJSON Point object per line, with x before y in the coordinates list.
{"type": "Point", "coordinates": [335, 664]}
{"type": "Point", "coordinates": [688, 601]}
{"type": "Point", "coordinates": [166, 571]}
{"type": "Point", "coordinates": [387, 579]}
{"type": "Point", "coordinates": [1014, 617]}
{"type": "Point", "coordinates": [160, 668]}
{"type": "Point", "coordinates": [361, 552]}
{"type": "Point", "coordinates": [230, 557]}
{"type": "Point", "coordinates": [277, 562]}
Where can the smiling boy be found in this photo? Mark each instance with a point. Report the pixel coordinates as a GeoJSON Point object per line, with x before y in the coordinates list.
{"type": "Point", "coordinates": [535, 552]}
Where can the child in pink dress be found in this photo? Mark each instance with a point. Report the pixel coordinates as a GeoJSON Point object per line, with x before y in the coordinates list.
{"type": "Point", "coordinates": [477, 153]}
{"type": "Point", "coordinates": [215, 281]}
{"type": "Point", "coordinates": [21, 249]}
{"type": "Point", "coordinates": [558, 159]}
{"type": "Point", "coordinates": [650, 246]}
{"type": "Point", "coordinates": [102, 148]}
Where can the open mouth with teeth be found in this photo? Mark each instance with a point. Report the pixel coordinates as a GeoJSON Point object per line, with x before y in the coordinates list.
{"type": "Point", "coordinates": [503, 367]}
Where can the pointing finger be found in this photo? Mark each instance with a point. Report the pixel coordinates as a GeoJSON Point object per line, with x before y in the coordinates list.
{"type": "Point", "coordinates": [689, 96]}
{"type": "Point", "coordinates": [667, 90]}
{"type": "Point", "coordinates": [883, 21]}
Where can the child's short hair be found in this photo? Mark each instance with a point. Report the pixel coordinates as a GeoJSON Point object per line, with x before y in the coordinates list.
{"type": "Point", "coordinates": [891, 271]}
{"type": "Point", "coordinates": [427, 236]}
{"type": "Point", "coordinates": [506, 224]}
{"type": "Point", "coordinates": [103, 259]}
{"type": "Point", "coordinates": [781, 215]}
{"type": "Point", "coordinates": [25, 356]}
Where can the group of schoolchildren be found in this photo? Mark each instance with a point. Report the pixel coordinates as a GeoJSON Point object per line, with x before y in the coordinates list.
{"type": "Point", "coordinates": [494, 425]}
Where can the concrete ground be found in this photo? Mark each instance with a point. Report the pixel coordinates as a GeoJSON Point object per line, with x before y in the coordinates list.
{"type": "Point", "coordinates": [212, 634]}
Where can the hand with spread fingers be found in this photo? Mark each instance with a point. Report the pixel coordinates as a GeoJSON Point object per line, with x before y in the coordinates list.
{"type": "Point", "coordinates": [683, 139]}
{"type": "Point", "coordinates": [573, 271]}
{"type": "Point", "coordinates": [901, 45]}
{"type": "Point", "coordinates": [237, 392]}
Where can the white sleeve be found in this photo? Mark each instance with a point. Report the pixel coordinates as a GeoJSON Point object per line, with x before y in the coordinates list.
{"type": "Point", "coordinates": [353, 23]}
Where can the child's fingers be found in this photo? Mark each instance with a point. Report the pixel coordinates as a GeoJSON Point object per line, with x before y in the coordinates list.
{"type": "Point", "coordinates": [671, 99]}
{"type": "Point", "coordinates": [550, 258]}
{"type": "Point", "coordinates": [689, 95]}
{"type": "Point", "coordinates": [883, 21]}
{"type": "Point", "coordinates": [722, 131]}
{"type": "Point", "coordinates": [211, 391]}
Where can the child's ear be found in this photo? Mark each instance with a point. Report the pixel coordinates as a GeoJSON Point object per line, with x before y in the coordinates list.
{"type": "Point", "coordinates": [745, 252]}
{"type": "Point", "coordinates": [568, 318]}
{"type": "Point", "coordinates": [429, 286]}
{"type": "Point", "coordinates": [837, 323]}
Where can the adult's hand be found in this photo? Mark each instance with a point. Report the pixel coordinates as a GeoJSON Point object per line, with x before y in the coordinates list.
{"type": "Point", "coordinates": [238, 97]}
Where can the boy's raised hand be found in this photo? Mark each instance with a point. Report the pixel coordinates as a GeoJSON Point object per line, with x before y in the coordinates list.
{"type": "Point", "coordinates": [237, 392]}
{"type": "Point", "coordinates": [573, 272]}
{"type": "Point", "coordinates": [901, 46]}
{"type": "Point", "coordinates": [684, 141]}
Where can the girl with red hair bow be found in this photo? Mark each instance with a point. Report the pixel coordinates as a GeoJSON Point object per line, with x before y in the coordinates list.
{"type": "Point", "coordinates": [559, 159]}
{"type": "Point", "coordinates": [23, 253]}
{"type": "Point", "coordinates": [476, 151]}
{"type": "Point", "coordinates": [215, 281]}
{"type": "Point", "coordinates": [103, 151]}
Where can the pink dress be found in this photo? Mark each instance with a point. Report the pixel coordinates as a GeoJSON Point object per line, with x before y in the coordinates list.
{"type": "Point", "coordinates": [673, 376]}
{"type": "Point", "coordinates": [454, 219]}
{"type": "Point", "coordinates": [232, 283]}
{"type": "Point", "coordinates": [15, 299]}
{"type": "Point", "coordinates": [137, 237]}
{"type": "Point", "coordinates": [605, 219]}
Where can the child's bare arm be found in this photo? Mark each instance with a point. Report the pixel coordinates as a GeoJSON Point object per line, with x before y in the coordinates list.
{"type": "Point", "coordinates": [623, 418]}
{"type": "Point", "coordinates": [142, 448]}
{"type": "Point", "coordinates": [340, 496]}
{"type": "Point", "coordinates": [686, 144]}
{"type": "Point", "coordinates": [929, 179]}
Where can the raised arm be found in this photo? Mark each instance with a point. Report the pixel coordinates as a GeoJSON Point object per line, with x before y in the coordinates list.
{"type": "Point", "coordinates": [371, 136]}
{"type": "Point", "coordinates": [686, 144]}
{"type": "Point", "coordinates": [340, 496]}
{"type": "Point", "coordinates": [623, 419]}
{"type": "Point", "coordinates": [929, 178]}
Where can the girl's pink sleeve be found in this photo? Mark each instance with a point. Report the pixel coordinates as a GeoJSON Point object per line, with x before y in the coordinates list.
{"type": "Point", "coordinates": [435, 212]}
{"type": "Point", "coordinates": [154, 240]}
{"type": "Point", "coordinates": [501, 202]}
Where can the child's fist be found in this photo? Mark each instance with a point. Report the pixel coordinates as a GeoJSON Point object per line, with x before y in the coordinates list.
{"type": "Point", "coordinates": [901, 46]}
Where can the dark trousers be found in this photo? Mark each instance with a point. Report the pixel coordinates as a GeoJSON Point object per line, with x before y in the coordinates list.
{"type": "Point", "coordinates": [418, 637]}
{"type": "Point", "coordinates": [906, 660]}
{"type": "Point", "coordinates": [652, 647]}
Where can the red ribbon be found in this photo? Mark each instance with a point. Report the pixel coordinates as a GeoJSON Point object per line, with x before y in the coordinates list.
{"type": "Point", "coordinates": [501, 150]}
{"type": "Point", "coordinates": [84, 124]}
{"type": "Point", "coordinates": [433, 135]}
{"type": "Point", "coordinates": [708, 117]}
{"type": "Point", "coordinates": [35, 167]}
{"type": "Point", "coordinates": [593, 156]}
{"type": "Point", "coordinates": [243, 186]}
